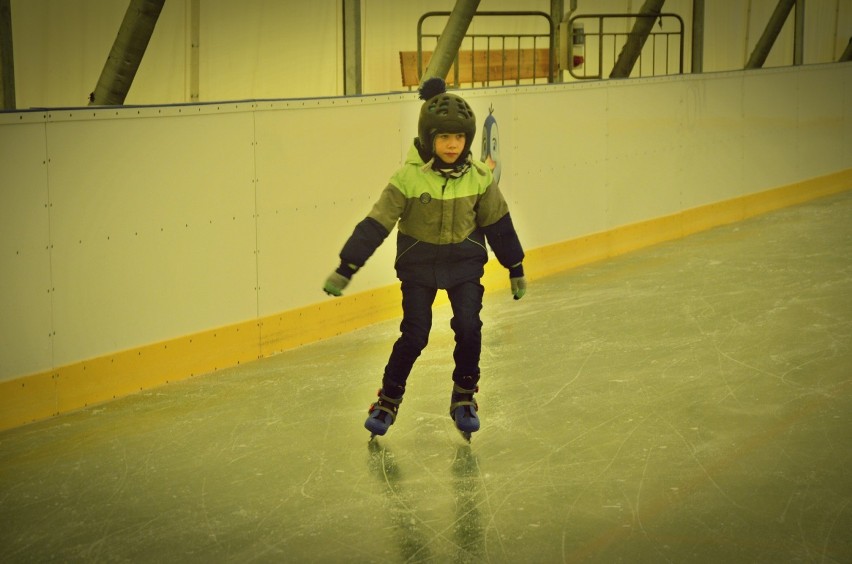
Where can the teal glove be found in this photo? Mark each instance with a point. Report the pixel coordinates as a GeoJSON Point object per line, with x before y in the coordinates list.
{"type": "Point", "coordinates": [335, 284]}
{"type": "Point", "coordinates": [519, 287]}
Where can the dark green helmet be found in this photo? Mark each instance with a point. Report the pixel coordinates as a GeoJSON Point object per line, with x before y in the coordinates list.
{"type": "Point", "coordinates": [443, 112]}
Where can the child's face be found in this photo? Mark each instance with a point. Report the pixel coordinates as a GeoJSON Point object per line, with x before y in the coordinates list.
{"type": "Point", "coordinates": [448, 146]}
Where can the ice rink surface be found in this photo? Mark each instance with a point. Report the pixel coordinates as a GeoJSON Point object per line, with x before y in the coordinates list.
{"type": "Point", "coordinates": [689, 402]}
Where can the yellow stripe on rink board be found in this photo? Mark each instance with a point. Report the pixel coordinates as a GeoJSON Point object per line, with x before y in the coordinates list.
{"type": "Point", "coordinates": [108, 377]}
{"type": "Point", "coordinates": [27, 399]}
{"type": "Point", "coordinates": [328, 319]}
{"type": "Point", "coordinates": [66, 388]}
{"type": "Point", "coordinates": [112, 376]}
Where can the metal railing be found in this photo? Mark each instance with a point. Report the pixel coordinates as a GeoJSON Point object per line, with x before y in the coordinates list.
{"type": "Point", "coordinates": [494, 65]}
{"type": "Point", "coordinates": [600, 44]}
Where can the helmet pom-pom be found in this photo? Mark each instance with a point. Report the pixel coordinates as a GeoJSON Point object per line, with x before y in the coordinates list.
{"type": "Point", "coordinates": [432, 87]}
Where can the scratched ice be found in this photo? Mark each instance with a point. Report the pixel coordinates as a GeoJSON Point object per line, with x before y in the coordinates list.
{"type": "Point", "coordinates": [686, 403]}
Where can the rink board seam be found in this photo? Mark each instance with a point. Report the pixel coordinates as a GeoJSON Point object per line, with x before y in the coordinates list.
{"type": "Point", "coordinates": [82, 384]}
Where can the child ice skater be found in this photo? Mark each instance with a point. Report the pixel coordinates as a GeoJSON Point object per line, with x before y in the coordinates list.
{"type": "Point", "coordinates": [445, 206]}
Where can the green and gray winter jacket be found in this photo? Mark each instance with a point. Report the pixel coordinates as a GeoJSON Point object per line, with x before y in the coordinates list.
{"type": "Point", "coordinates": [443, 223]}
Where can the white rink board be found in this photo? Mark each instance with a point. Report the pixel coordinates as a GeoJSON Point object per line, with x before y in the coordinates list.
{"type": "Point", "coordinates": [153, 229]}
{"type": "Point", "coordinates": [164, 221]}
{"type": "Point", "coordinates": [25, 284]}
{"type": "Point", "coordinates": [319, 171]}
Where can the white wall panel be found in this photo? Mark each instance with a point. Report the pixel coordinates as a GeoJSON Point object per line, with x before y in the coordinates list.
{"type": "Point", "coordinates": [555, 163]}
{"type": "Point", "coordinates": [712, 156]}
{"type": "Point", "coordinates": [25, 313]}
{"type": "Point", "coordinates": [820, 134]}
{"type": "Point", "coordinates": [166, 221]}
{"type": "Point", "coordinates": [321, 166]}
{"type": "Point", "coordinates": [257, 49]}
{"type": "Point", "coordinates": [769, 124]}
{"type": "Point", "coordinates": [153, 230]}
{"type": "Point", "coordinates": [645, 122]}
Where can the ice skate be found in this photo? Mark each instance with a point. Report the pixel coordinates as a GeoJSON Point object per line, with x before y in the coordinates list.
{"type": "Point", "coordinates": [382, 414]}
{"type": "Point", "coordinates": [463, 410]}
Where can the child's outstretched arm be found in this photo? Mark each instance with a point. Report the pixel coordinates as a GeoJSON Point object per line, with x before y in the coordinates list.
{"type": "Point", "coordinates": [503, 239]}
{"type": "Point", "coordinates": [360, 246]}
{"type": "Point", "coordinates": [496, 223]}
{"type": "Point", "coordinates": [366, 238]}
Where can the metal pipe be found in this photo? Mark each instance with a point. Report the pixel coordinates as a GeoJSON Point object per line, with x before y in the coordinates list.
{"type": "Point", "coordinates": [847, 53]}
{"type": "Point", "coordinates": [126, 53]}
{"type": "Point", "coordinates": [799, 34]}
{"type": "Point", "coordinates": [636, 39]}
{"type": "Point", "coordinates": [770, 34]}
{"type": "Point", "coordinates": [450, 40]}
{"type": "Point", "coordinates": [557, 8]}
{"type": "Point", "coordinates": [352, 47]}
{"type": "Point", "coordinates": [7, 58]}
{"type": "Point", "coordinates": [697, 36]}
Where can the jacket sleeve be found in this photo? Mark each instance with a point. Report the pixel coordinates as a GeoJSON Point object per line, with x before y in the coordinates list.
{"type": "Point", "coordinates": [372, 231]}
{"type": "Point", "coordinates": [361, 245]}
{"type": "Point", "coordinates": [496, 223]}
{"type": "Point", "coordinates": [503, 239]}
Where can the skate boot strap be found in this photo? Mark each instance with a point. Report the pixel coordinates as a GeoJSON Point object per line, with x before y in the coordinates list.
{"type": "Point", "coordinates": [387, 404]}
{"type": "Point", "coordinates": [393, 401]}
{"type": "Point", "coordinates": [459, 390]}
{"type": "Point", "coordinates": [463, 397]}
{"type": "Point", "coordinates": [457, 404]}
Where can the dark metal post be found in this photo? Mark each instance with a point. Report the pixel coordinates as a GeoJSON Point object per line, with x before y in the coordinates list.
{"type": "Point", "coordinates": [557, 11]}
{"type": "Point", "coordinates": [450, 40]}
{"type": "Point", "coordinates": [697, 36]}
{"type": "Point", "coordinates": [7, 58]}
{"type": "Point", "coordinates": [799, 34]}
{"type": "Point", "coordinates": [847, 53]}
{"type": "Point", "coordinates": [636, 40]}
{"type": "Point", "coordinates": [127, 52]}
{"type": "Point", "coordinates": [352, 47]}
{"type": "Point", "coordinates": [770, 34]}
